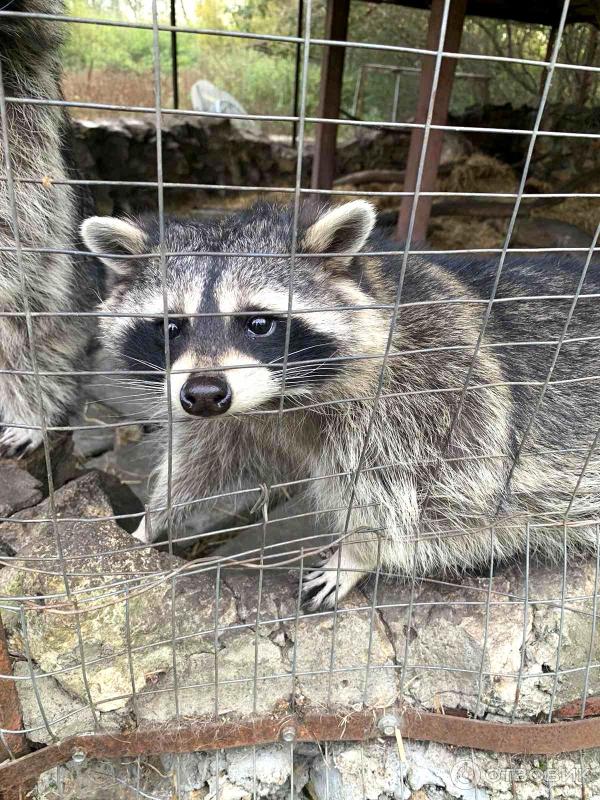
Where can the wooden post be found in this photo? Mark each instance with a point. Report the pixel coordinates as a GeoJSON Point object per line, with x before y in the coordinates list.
{"type": "Point", "coordinates": [454, 28]}
{"type": "Point", "coordinates": [332, 72]}
{"type": "Point", "coordinates": [174, 69]}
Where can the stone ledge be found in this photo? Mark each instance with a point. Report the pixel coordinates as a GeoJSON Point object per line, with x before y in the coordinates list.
{"type": "Point", "coordinates": [217, 631]}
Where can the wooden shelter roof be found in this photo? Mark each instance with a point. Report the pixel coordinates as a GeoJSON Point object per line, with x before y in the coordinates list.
{"type": "Point", "coordinates": [541, 12]}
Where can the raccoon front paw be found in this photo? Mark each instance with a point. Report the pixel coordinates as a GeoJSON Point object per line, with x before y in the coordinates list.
{"type": "Point", "coordinates": [319, 585]}
{"type": "Point", "coordinates": [17, 442]}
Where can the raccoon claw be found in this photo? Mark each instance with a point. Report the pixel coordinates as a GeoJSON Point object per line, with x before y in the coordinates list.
{"type": "Point", "coordinates": [319, 585]}
{"type": "Point", "coordinates": [17, 442]}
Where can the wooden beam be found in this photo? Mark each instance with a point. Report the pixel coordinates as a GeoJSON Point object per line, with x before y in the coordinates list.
{"type": "Point", "coordinates": [454, 28]}
{"type": "Point", "coordinates": [174, 68]}
{"type": "Point", "coordinates": [332, 73]}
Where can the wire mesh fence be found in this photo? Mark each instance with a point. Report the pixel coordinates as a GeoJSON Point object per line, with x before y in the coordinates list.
{"type": "Point", "coordinates": [416, 422]}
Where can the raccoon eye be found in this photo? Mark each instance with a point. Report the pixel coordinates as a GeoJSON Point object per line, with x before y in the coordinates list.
{"type": "Point", "coordinates": [174, 328]}
{"type": "Point", "coordinates": [260, 326]}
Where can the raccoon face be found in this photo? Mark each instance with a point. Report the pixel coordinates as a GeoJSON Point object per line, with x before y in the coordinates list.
{"type": "Point", "coordinates": [227, 329]}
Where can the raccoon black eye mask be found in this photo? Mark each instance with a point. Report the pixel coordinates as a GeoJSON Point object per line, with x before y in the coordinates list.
{"type": "Point", "coordinates": [438, 466]}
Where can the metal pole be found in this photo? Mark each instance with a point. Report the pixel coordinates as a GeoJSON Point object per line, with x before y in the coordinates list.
{"type": "Point", "coordinates": [297, 72]}
{"type": "Point", "coordinates": [174, 70]}
{"type": "Point", "coordinates": [396, 98]}
{"type": "Point", "coordinates": [358, 91]}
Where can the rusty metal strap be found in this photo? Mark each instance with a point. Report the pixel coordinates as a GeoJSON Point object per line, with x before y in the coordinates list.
{"type": "Point", "coordinates": [10, 710]}
{"type": "Point", "coordinates": [196, 735]}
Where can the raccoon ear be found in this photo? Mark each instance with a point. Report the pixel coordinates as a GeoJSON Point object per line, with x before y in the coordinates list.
{"type": "Point", "coordinates": [114, 237]}
{"type": "Point", "coordinates": [343, 229]}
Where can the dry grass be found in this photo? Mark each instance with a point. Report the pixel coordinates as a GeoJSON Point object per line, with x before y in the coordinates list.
{"type": "Point", "coordinates": [580, 211]}
{"type": "Point", "coordinates": [112, 87]}
{"type": "Point", "coordinates": [479, 173]}
{"type": "Point", "coordinates": [464, 233]}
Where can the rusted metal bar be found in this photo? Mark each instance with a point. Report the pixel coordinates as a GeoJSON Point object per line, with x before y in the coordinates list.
{"type": "Point", "coordinates": [197, 735]}
{"type": "Point", "coordinates": [454, 28]}
{"type": "Point", "coordinates": [12, 745]}
{"type": "Point", "coordinates": [332, 73]}
{"type": "Point", "coordinates": [11, 718]}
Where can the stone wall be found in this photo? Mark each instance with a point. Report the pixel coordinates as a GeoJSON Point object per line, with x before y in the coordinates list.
{"type": "Point", "coordinates": [435, 657]}
{"type": "Point", "coordinates": [196, 151]}
{"type": "Point", "coordinates": [214, 153]}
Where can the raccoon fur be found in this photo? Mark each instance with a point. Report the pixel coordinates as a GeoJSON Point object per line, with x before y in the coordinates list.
{"type": "Point", "coordinates": [422, 500]}
{"type": "Point", "coordinates": [48, 215]}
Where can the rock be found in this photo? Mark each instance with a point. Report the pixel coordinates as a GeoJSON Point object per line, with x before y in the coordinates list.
{"type": "Point", "coordinates": [350, 652]}
{"type": "Point", "coordinates": [19, 533]}
{"type": "Point", "coordinates": [122, 500]}
{"type": "Point", "coordinates": [192, 769]}
{"type": "Point", "coordinates": [236, 695]}
{"type": "Point", "coordinates": [289, 522]}
{"type": "Point", "coordinates": [131, 463]}
{"type": "Point", "coordinates": [64, 466]}
{"type": "Point", "coordinates": [63, 714]}
{"type": "Point", "coordinates": [151, 628]}
{"type": "Point", "coordinates": [106, 623]}
{"type": "Point", "coordinates": [270, 770]}
{"type": "Point", "coordinates": [349, 771]}
{"type": "Point", "coordinates": [445, 653]}
{"type": "Point", "coordinates": [18, 489]}
{"type": "Point", "coordinates": [214, 152]}
{"type": "Point", "coordinates": [359, 772]}
{"type": "Point", "coordinates": [109, 780]}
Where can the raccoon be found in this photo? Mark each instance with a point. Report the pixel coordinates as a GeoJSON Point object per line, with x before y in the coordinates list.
{"type": "Point", "coordinates": [438, 477]}
{"type": "Point", "coordinates": [48, 214]}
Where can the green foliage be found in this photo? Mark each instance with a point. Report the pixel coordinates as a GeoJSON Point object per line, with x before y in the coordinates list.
{"type": "Point", "coordinates": [261, 74]}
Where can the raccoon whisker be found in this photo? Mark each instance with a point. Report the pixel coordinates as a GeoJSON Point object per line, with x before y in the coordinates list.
{"type": "Point", "coordinates": [101, 302]}
{"type": "Point", "coordinates": [128, 381]}
{"type": "Point", "coordinates": [135, 391]}
{"type": "Point", "coordinates": [144, 363]}
{"type": "Point", "coordinates": [303, 374]}
{"type": "Point", "coordinates": [138, 391]}
{"type": "Point", "coordinates": [306, 367]}
{"type": "Point", "coordinates": [295, 353]}
{"type": "Point", "coordinates": [149, 387]}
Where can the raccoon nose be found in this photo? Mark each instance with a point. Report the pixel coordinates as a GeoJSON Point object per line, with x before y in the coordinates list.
{"type": "Point", "coordinates": [205, 396]}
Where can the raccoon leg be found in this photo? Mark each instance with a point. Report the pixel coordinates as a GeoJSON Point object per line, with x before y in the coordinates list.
{"type": "Point", "coordinates": [192, 478]}
{"type": "Point", "coordinates": [23, 396]}
{"type": "Point", "coordinates": [202, 519]}
{"type": "Point", "coordinates": [341, 571]}
{"type": "Point", "coordinates": [21, 404]}
{"type": "Point", "coordinates": [17, 442]}
{"type": "Point", "coordinates": [19, 412]}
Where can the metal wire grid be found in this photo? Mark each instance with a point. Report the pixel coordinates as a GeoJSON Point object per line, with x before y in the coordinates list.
{"type": "Point", "coordinates": [271, 556]}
